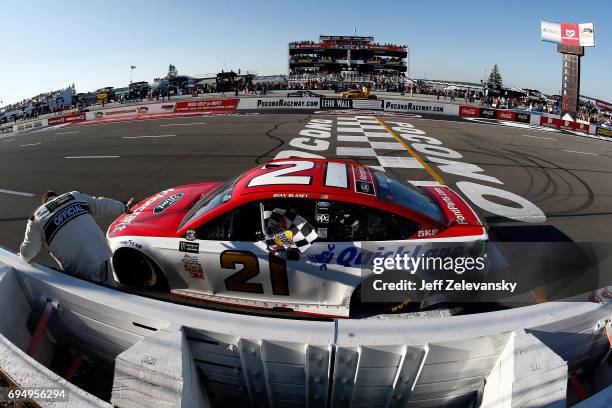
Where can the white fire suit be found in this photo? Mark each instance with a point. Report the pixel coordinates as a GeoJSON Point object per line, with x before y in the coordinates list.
{"type": "Point", "coordinates": [66, 227]}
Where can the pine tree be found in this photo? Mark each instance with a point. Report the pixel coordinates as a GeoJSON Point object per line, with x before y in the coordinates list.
{"type": "Point", "coordinates": [172, 72]}
{"type": "Point", "coordinates": [495, 77]}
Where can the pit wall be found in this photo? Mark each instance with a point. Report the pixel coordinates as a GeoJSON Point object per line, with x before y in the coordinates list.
{"type": "Point", "coordinates": [187, 356]}
{"type": "Point", "coordinates": [277, 103]}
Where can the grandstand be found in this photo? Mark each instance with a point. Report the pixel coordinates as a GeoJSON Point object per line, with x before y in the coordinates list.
{"type": "Point", "coordinates": [346, 60]}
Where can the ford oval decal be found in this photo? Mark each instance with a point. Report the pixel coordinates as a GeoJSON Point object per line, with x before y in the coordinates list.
{"type": "Point", "coordinates": [167, 202]}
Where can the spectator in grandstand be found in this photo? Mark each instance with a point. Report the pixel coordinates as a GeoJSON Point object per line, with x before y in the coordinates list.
{"type": "Point", "coordinates": [66, 227]}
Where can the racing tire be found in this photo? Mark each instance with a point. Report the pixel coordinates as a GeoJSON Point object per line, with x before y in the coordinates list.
{"type": "Point", "coordinates": [134, 268]}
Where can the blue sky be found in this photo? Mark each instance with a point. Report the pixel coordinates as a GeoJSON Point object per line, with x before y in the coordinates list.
{"type": "Point", "coordinates": [48, 45]}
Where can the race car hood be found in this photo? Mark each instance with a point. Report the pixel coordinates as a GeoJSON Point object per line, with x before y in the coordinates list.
{"type": "Point", "coordinates": [456, 210]}
{"type": "Point", "coordinates": [161, 213]}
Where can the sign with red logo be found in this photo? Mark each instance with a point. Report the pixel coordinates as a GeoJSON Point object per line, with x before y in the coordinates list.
{"type": "Point", "coordinates": [207, 105]}
{"type": "Point", "coordinates": [570, 34]}
{"type": "Point", "coordinates": [469, 111]}
{"type": "Point", "coordinates": [506, 115]}
{"type": "Point", "coordinates": [603, 104]}
{"type": "Point", "coordinates": [66, 119]}
{"type": "Point", "coordinates": [363, 180]}
{"type": "Point", "coordinates": [563, 124]}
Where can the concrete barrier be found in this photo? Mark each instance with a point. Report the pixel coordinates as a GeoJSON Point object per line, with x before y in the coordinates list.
{"type": "Point", "coordinates": [384, 361]}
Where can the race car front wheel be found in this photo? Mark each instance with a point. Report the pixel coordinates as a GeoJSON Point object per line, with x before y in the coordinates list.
{"type": "Point", "coordinates": [133, 268]}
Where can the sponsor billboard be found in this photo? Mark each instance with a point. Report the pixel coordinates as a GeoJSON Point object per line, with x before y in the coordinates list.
{"type": "Point", "coordinates": [506, 115]}
{"type": "Point", "coordinates": [568, 33]}
{"type": "Point", "coordinates": [207, 105]}
{"type": "Point", "coordinates": [523, 117]}
{"type": "Point", "coordinates": [278, 103]}
{"type": "Point", "coordinates": [564, 124]}
{"type": "Point", "coordinates": [336, 103]}
{"type": "Point", "coordinates": [488, 113]}
{"type": "Point", "coordinates": [58, 120]}
{"type": "Point", "coordinates": [134, 110]}
{"type": "Point", "coordinates": [603, 131]}
{"type": "Point", "coordinates": [603, 105]}
{"type": "Point", "coordinates": [421, 107]}
{"type": "Point", "coordinates": [469, 111]}
{"type": "Point", "coordinates": [375, 104]}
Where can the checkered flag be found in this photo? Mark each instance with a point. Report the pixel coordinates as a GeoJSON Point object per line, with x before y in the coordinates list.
{"type": "Point", "coordinates": [285, 229]}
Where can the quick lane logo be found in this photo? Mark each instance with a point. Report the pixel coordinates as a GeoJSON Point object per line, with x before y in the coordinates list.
{"type": "Point", "coordinates": [166, 203]}
{"type": "Point", "coordinates": [57, 222]}
{"type": "Point", "coordinates": [191, 247]}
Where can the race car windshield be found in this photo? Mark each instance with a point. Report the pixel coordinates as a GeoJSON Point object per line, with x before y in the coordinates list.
{"type": "Point", "coordinates": [210, 201]}
{"type": "Point", "coordinates": [394, 192]}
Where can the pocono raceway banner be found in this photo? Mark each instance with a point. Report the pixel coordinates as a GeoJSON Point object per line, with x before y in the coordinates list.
{"type": "Point", "coordinates": [421, 107]}
{"type": "Point", "coordinates": [278, 103]}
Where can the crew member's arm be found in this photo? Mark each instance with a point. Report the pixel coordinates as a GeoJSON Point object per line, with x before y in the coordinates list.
{"type": "Point", "coordinates": [103, 207]}
{"type": "Point", "coordinates": [31, 242]}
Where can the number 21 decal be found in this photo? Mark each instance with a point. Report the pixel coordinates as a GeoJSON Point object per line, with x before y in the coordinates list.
{"type": "Point", "coordinates": [238, 281]}
{"type": "Point", "coordinates": [336, 174]}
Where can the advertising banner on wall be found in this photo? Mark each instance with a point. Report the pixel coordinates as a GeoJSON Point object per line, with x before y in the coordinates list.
{"type": "Point", "coordinates": [207, 105]}
{"type": "Point", "coordinates": [568, 33]}
{"type": "Point", "coordinates": [469, 111]}
{"type": "Point", "coordinates": [506, 115]}
{"type": "Point", "coordinates": [564, 124]}
{"type": "Point", "coordinates": [375, 104]}
{"type": "Point", "coordinates": [134, 110]}
{"type": "Point", "coordinates": [523, 117]}
{"type": "Point", "coordinates": [336, 103]}
{"type": "Point", "coordinates": [58, 120]}
{"type": "Point", "coordinates": [421, 107]}
{"type": "Point", "coordinates": [278, 103]}
{"type": "Point", "coordinates": [603, 131]}
{"type": "Point", "coordinates": [603, 105]}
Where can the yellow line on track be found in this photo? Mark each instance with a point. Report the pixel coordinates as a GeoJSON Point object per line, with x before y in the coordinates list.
{"type": "Point", "coordinates": [426, 166]}
{"type": "Point", "coordinates": [536, 293]}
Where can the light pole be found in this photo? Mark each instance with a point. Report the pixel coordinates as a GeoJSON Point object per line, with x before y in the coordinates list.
{"type": "Point", "coordinates": [132, 68]}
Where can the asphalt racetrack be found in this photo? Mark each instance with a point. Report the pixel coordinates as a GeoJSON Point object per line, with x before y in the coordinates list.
{"type": "Point", "coordinates": [534, 181]}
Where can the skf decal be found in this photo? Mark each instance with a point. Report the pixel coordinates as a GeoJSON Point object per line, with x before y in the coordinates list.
{"type": "Point", "coordinates": [427, 233]}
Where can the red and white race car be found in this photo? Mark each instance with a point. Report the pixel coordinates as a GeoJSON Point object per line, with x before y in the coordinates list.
{"type": "Point", "coordinates": [285, 235]}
